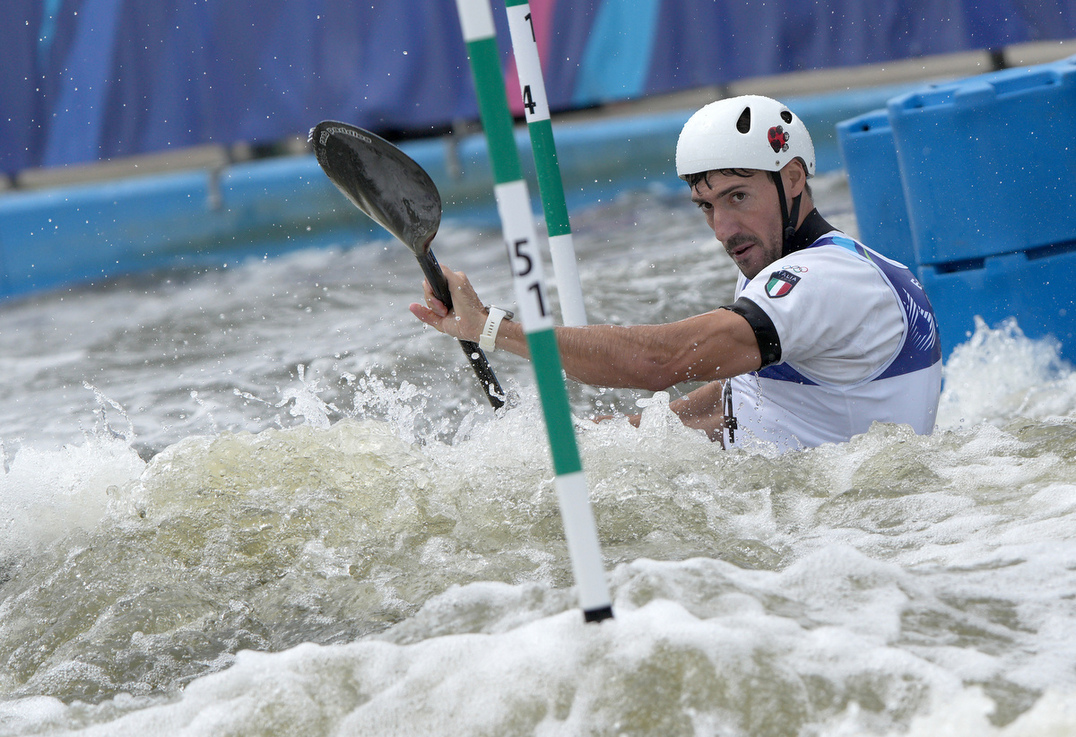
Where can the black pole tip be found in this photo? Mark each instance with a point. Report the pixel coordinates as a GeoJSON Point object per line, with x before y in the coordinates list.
{"type": "Point", "coordinates": [597, 615]}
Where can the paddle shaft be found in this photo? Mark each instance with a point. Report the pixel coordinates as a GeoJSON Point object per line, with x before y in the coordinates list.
{"type": "Point", "coordinates": [432, 269]}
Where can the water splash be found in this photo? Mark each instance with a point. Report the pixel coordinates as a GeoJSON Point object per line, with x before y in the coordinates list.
{"type": "Point", "coordinates": [1000, 373]}
{"type": "Point", "coordinates": [303, 401]}
{"type": "Point", "coordinates": [102, 428]}
{"type": "Point", "coordinates": [403, 406]}
{"type": "Point", "coordinates": [48, 495]}
{"type": "Point", "coordinates": [389, 556]}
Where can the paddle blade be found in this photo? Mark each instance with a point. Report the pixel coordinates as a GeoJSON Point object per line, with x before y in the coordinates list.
{"type": "Point", "coordinates": [381, 180]}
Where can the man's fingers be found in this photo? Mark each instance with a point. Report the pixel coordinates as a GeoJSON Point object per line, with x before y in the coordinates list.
{"type": "Point", "coordinates": [468, 316]}
{"type": "Point", "coordinates": [435, 305]}
{"type": "Point", "coordinates": [425, 314]}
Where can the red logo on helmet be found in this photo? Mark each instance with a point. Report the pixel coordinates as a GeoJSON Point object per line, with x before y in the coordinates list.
{"type": "Point", "coordinates": [778, 139]}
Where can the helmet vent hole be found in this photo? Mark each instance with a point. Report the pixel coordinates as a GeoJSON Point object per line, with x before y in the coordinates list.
{"type": "Point", "coordinates": [743, 123]}
{"type": "Point", "coordinates": [786, 116]}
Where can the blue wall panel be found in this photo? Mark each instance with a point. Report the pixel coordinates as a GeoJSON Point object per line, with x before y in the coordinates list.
{"type": "Point", "coordinates": [82, 80]}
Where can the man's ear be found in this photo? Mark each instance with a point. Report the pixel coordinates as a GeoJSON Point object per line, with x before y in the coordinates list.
{"type": "Point", "coordinates": [795, 177]}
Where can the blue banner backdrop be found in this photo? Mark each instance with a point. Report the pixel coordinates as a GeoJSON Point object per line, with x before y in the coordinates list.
{"type": "Point", "coordinates": [83, 80]}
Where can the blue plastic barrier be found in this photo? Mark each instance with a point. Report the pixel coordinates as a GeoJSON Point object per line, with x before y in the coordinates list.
{"type": "Point", "coordinates": [987, 165]}
{"type": "Point", "coordinates": [977, 173]}
{"type": "Point", "coordinates": [988, 162]}
{"type": "Point", "coordinates": [870, 158]}
{"type": "Point", "coordinates": [1035, 288]}
{"type": "Point", "coordinates": [90, 233]}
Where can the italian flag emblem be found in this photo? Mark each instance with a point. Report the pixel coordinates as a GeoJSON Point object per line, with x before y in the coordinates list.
{"type": "Point", "coordinates": [781, 283]}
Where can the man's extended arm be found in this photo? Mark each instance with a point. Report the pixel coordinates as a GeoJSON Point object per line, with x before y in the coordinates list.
{"type": "Point", "coordinates": [714, 345]}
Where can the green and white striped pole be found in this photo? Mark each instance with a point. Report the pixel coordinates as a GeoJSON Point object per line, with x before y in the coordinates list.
{"type": "Point", "coordinates": [517, 223]}
{"type": "Point", "coordinates": [550, 184]}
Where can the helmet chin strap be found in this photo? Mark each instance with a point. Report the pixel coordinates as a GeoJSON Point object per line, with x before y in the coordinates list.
{"type": "Point", "coordinates": [788, 219]}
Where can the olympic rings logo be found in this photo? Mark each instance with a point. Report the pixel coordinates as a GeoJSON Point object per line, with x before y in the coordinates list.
{"type": "Point", "coordinates": [796, 269]}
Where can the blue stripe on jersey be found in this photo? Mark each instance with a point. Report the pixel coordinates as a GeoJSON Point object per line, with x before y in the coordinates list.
{"type": "Point", "coordinates": [921, 348]}
{"type": "Point", "coordinates": [784, 372]}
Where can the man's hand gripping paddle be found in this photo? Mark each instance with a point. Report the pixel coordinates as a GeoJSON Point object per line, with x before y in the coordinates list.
{"type": "Point", "coordinates": [387, 184]}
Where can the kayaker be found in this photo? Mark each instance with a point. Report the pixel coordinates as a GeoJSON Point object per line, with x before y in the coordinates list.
{"type": "Point", "coordinates": [823, 338]}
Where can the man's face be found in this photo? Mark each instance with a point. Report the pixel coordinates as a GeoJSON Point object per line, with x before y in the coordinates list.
{"type": "Point", "coordinates": [745, 216]}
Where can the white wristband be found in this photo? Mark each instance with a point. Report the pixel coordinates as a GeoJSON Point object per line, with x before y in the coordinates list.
{"type": "Point", "coordinates": [488, 340]}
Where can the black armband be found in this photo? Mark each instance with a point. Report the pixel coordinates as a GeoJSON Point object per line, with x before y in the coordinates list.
{"type": "Point", "coordinates": [769, 344]}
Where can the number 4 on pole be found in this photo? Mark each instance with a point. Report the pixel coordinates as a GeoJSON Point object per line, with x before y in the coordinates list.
{"type": "Point", "coordinates": [528, 100]}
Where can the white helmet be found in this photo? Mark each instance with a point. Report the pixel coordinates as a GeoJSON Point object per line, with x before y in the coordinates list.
{"type": "Point", "coordinates": [748, 132]}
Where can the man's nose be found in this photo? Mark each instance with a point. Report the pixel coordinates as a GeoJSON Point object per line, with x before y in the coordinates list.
{"type": "Point", "coordinates": [724, 226]}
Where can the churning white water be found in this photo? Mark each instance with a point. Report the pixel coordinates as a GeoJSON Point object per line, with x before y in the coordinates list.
{"type": "Point", "coordinates": [264, 500]}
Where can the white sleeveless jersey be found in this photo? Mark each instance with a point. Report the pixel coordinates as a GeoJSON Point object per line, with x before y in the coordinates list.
{"type": "Point", "coordinates": [858, 344]}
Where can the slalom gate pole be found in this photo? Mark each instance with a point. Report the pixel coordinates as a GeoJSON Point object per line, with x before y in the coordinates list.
{"type": "Point", "coordinates": [550, 184]}
{"type": "Point", "coordinates": [517, 223]}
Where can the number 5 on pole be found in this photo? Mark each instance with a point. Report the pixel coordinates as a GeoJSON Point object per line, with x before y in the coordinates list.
{"type": "Point", "coordinates": [517, 222]}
